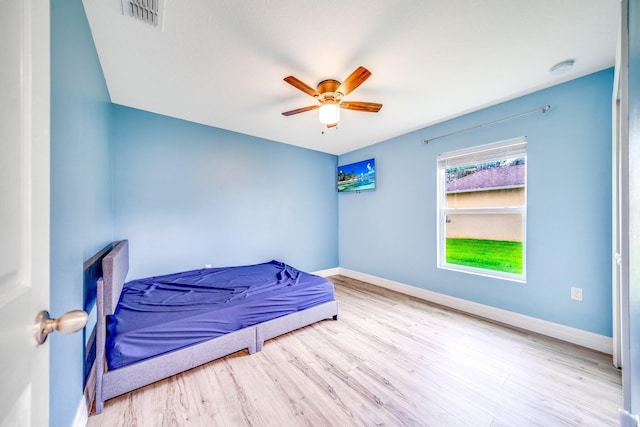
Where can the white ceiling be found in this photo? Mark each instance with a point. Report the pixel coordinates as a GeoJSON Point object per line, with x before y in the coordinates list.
{"type": "Point", "coordinates": [222, 62]}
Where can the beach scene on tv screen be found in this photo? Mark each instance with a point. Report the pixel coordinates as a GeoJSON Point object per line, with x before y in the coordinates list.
{"type": "Point", "coordinates": [357, 176]}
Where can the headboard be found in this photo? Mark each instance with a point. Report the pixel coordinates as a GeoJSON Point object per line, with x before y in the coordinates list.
{"type": "Point", "coordinates": [92, 272]}
{"type": "Point", "coordinates": [115, 267]}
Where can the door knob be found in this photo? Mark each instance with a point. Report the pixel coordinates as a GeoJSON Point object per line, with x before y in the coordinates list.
{"type": "Point", "coordinates": [68, 323]}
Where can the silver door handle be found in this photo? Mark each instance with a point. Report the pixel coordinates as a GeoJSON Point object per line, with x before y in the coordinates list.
{"type": "Point", "coordinates": [68, 323]}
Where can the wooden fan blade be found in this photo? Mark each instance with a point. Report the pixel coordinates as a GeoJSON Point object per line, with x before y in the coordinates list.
{"type": "Point", "coordinates": [354, 80]}
{"type": "Point", "coordinates": [300, 110]}
{"type": "Point", "coordinates": [298, 84]}
{"type": "Point", "coordinates": [331, 125]}
{"type": "Point", "coordinates": [369, 107]}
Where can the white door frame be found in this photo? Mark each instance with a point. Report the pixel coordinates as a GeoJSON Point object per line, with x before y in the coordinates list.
{"type": "Point", "coordinates": [620, 189]}
{"type": "Point", "coordinates": [622, 208]}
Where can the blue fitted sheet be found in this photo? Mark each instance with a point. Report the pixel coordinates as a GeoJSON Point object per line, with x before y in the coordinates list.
{"type": "Point", "coordinates": [165, 313]}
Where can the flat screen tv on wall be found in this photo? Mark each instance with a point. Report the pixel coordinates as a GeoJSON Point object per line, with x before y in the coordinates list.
{"type": "Point", "coordinates": [358, 176]}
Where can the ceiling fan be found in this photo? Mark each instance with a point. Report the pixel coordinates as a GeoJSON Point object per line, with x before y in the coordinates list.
{"type": "Point", "coordinates": [330, 94]}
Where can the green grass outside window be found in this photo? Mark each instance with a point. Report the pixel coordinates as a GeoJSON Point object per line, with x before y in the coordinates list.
{"type": "Point", "coordinates": [498, 255]}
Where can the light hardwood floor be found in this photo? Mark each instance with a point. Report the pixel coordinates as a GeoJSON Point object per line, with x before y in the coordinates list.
{"type": "Point", "coordinates": [390, 360]}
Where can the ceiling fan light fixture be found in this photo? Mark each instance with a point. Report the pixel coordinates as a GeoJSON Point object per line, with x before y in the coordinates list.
{"type": "Point", "coordinates": [330, 94]}
{"type": "Point", "coordinates": [329, 113]}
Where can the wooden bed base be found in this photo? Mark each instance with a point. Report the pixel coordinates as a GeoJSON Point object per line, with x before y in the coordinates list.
{"type": "Point", "coordinates": [112, 383]}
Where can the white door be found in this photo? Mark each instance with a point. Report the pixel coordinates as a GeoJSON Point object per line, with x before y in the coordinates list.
{"type": "Point", "coordinates": [24, 209]}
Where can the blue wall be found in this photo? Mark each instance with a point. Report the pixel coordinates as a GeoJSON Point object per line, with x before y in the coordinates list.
{"type": "Point", "coordinates": [391, 232]}
{"type": "Point", "coordinates": [186, 195]}
{"type": "Point", "coordinates": [81, 210]}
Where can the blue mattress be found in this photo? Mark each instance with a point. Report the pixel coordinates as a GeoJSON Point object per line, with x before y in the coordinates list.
{"type": "Point", "coordinates": [160, 314]}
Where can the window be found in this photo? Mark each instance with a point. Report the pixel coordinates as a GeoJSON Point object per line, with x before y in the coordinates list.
{"type": "Point", "coordinates": [482, 203]}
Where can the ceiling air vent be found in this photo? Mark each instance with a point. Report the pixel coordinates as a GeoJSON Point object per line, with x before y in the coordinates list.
{"type": "Point", "coordinates": [147, 11]}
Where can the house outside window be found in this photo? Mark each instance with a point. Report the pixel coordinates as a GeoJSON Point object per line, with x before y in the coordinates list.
{"type": "Point", "coordinates": [482, 202]}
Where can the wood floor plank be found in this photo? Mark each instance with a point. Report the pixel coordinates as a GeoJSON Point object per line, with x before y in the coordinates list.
{"type": "Point", "coordinates": [390, 360]}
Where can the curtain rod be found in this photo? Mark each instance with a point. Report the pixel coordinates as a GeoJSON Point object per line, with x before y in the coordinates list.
{"type": "Point", "coordinates": [541, 109]}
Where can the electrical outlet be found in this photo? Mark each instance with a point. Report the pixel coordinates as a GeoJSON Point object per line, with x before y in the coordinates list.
{"type": "Point", "coordinates": [576, 294]}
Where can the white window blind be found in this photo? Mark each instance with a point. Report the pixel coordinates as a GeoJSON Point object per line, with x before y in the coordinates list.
{"type": "Point", "coordinates": [512, 148]}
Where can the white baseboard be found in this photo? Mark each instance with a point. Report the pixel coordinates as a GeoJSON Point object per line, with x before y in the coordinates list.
{"type": "Point", "coordinates": [328, 272]}
{"type": "Point", "coordinates": [582, 338]}
{"type": "Point", "coordinates": [82, 414]}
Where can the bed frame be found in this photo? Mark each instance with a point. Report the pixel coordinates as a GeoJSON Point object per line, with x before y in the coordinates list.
{"type": "Point", "coordinates": [112, 383]}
